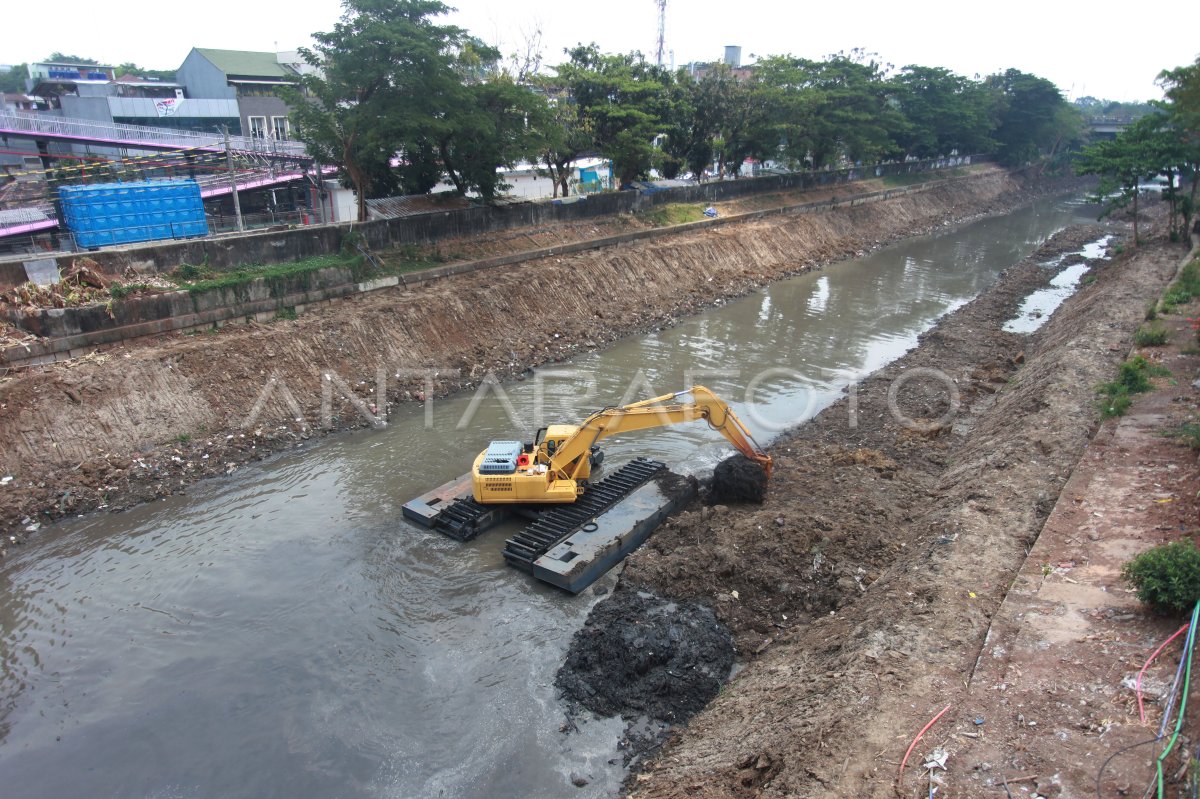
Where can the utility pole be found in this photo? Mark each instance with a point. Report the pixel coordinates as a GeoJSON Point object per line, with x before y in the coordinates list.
{"type": "Point", "coordinates": [319, 185]}
{"type": "Point", "coordinates": [237, 205]}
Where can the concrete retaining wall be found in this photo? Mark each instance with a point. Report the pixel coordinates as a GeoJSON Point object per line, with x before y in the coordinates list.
{"type": "Point", "coordinates": [71, 332]}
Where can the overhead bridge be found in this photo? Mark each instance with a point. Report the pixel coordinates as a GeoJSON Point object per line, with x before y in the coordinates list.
{"type": "Point", "coordinates": [41, 127]}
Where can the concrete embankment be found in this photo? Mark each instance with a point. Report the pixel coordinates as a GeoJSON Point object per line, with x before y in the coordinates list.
{"type": "Point", "coordinates": [144, 419]}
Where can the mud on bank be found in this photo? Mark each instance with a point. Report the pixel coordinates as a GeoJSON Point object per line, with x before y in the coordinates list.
{"type": "Point", "coordinates": [862, 590]}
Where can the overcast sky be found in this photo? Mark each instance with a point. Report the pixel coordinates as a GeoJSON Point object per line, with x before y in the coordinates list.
{"type": "Point", "coordinates": [1085, 48]}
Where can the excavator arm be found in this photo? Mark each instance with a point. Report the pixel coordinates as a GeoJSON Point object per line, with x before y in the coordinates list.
{"type": "Point", "coordinates": [569, 459]}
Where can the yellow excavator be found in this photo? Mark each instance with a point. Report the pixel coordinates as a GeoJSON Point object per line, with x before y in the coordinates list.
{"type": "Point", "coordinates": [556, 466]}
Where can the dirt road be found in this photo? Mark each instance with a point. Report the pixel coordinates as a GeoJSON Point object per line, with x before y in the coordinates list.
{"type": "Point", "coordinates": [865, 587]}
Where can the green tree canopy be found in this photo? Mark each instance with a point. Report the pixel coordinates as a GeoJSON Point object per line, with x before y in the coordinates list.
{"type": "Point", "coordinates": [13, 81]}
{"type": "Point", "coordinates": [1122, 164]}
{"type": "Point", "coordinates": [1181, 86]}
{"type": "Point", "coordinates": [562, 135]}
{"type": "Point", "coordinates": [623, 101]}
{"type": "Point", "coordinates": [1032, 118]}
{"type": "Point", "coordinates": [382, 73]}
{"type": "Point", "coordinates": [834, 110]}
{"type": "Point", "coordinates": [945, 112]}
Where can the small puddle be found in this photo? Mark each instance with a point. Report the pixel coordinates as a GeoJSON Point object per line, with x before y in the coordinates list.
{"type": "Point", "coordinates": [1038, 306]}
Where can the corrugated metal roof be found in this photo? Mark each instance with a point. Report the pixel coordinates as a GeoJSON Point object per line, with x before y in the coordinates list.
{"type": "Point", "coordinates": [414, 204]}
{"type": "Point", "coordinates": [22, 215]}
{"type": "Point", "coordinates": [247, 63]}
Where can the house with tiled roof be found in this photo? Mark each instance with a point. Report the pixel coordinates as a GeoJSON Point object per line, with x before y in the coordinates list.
{"type": "Point", "coordinates": [252, 79]}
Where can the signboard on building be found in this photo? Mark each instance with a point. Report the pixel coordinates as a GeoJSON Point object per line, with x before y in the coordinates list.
{"type": "Point", "coordinates": [167, 106]}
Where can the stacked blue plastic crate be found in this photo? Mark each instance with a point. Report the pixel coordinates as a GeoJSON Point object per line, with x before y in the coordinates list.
{"type": "Point", "coordinates": [120, 213]}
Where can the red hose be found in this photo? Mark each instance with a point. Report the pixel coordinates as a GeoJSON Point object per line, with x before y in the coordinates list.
{"type": "Point", "coordinates": [1138, 685]}
{"type": "Point", "coordinates": [920, 735]}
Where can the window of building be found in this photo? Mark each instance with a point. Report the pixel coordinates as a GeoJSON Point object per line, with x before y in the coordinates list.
{"type": "Point", "coordinates": [280, 128]}
{"type": "Point", "coordinates": [258, 127]}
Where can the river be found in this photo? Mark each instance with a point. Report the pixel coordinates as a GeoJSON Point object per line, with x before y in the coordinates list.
{"type": "Point", "coordinates": [282, 632]}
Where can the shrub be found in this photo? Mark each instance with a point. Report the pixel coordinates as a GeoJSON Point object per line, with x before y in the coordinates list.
{"type": "Point", "coordinates": [1133, 377]}
{"type": "Point", "coordinates": [1167, 577]}
{"type": "Point", "coordinates": [1114, 405]}
{"type": "Point", "coordinates": [1150, 337]}
{"type": "Point", "coordinates": [190, 271]}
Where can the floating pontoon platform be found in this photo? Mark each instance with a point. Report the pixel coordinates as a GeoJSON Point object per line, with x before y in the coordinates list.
{"type": "Point", "coordinates": [569, 545]}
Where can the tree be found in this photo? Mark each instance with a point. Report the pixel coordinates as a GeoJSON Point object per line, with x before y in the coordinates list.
{"type": "Point", "coordinates": [1181, 86]}
{"type": "Point", "coordinates": [1165, 142]}
{"type": "Point", "coordinates": [13, 81]}
{"type": "Point", "coordinates": [130, 68]}
{"type": "Point", "coordinates": [562, 134]}
{"type": "Point", "coordinates": [1092, 107]}
{"type": "Point", "coordinates": [945, 112]}
{"type": "Point", "coordinates": [486, 129]}
{"type": "Point", "coordinates": [699, 114]}
{"type": "Point", "coordinates": [1121, 164]}
{"type": "Point", "coordinates": [60, 58]}
{"type": "Point", "coordinates": [835, 110]}
{"type": "Point", "coordinates": [751, 128]}
{"type": "Point", "coordinates": [622, 100]}
{"type": "Point", "coordinates": [383, 71]}
{"type": "Point", "coordinates": [1030, 116]}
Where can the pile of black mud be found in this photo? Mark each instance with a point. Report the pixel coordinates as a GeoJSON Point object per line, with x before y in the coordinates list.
{"type": "Point", "coordinates": [737, 479]}
{"type": "Point", "coordinates": [641, 655]}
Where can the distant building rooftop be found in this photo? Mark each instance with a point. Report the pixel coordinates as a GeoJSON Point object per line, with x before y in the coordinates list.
{"type": "Point", "coordinates": [248, 65]}
{"type": "Point", "coordinates": [414, 204]}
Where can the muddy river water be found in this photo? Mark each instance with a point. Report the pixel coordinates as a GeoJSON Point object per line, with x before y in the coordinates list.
{"type": "Point", "coordinates": [282, 632]}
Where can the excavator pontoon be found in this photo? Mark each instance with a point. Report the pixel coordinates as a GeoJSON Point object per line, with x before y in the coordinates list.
{"type": "Point", "coordinates": [580, 526]}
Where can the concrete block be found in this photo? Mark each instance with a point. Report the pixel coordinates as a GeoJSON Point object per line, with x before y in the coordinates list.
{"type": "Point", "coordinates": [379, 283]}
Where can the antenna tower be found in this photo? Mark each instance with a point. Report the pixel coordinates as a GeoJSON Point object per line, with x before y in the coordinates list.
{"type": "Point", "coordinates": [662, 29]}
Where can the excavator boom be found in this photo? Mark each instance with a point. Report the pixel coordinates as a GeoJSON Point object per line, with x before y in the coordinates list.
{"type": "Point", "coordinates": [661, 411]}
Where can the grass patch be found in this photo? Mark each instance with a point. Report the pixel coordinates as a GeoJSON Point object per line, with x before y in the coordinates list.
{"type": "Point", "coordinates": [1183, 290]}
{"type": "Point", "coordinates": [1151, 336]}
{"type": "Point", "coordinates": [672, 214]}
{"type": "Point", "coordinates": [209, 281]}
{"type": "Point", "coordinates": [1187, 434]}
{"type": "Point", "coordinates": [286, 314]}
{"type": "Point", "coordinates": [413, 258]}
{"type": "Point", "coordinates": [1133, 377]}
{"type": "Point", "coordinates": [119, 291]}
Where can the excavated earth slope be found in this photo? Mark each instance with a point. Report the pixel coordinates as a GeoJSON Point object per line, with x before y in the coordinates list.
{"type": "Point", "coordinates": [144, 419]}
{"type": "Point", "coordinates": [864, 587]}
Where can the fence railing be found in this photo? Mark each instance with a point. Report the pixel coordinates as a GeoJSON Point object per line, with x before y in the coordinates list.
{"type": "Point", "coordinates": [131, 135]}
{"type": "Point", "coordinates": [38, 244]}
